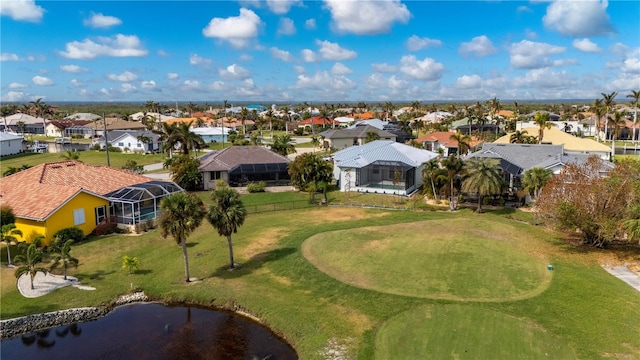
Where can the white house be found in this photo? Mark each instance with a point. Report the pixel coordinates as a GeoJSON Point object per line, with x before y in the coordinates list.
{"type": "Point", "coordinates": [382, 167]}
{"type": "Point", "coordinates": [10, 144]}
{"type": "Point", "coordinates": [132, 140]}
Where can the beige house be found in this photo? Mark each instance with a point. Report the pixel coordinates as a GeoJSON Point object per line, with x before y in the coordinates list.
{"type": "Point", "coordinates": [344, 138]}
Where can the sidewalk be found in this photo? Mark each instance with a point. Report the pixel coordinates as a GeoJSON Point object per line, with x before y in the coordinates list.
{"type": "Point", "coordinates": [624, 274]}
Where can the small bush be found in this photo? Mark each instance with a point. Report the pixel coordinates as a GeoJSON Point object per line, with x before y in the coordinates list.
{"type": "Point", "coordinates": [256, 187]}
{"type": "Point", "coordinates": [486, 200]}
{"type": "Point", "coordinates": [71, 233]}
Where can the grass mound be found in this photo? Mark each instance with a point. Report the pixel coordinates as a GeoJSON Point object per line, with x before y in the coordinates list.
{"type": "Point", "coordinates": [465, 332]}
{"type": "Point", "coordinates": [442, 260]}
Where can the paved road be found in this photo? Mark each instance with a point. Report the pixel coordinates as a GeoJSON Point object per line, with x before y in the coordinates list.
{"type": "Point", "coordinates": [626, 275]}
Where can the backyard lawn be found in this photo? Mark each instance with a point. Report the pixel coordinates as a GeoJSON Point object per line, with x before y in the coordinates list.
{"type": "Point", "coordinates": [377, 284]}
{"type": "Point", "coordinates": [90, 157]}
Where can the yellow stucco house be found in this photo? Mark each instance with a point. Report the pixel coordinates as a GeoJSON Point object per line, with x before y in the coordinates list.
{"type": "Point", "coordinates": [49, 197]}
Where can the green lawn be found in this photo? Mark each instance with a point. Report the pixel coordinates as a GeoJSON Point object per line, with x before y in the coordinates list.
{"type": "Point", "coordinates": [92, 157]}
{"type": "Point", "coordinates": [583, 312]}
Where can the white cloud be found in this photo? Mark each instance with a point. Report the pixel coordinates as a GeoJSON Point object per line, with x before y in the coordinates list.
{"type": "Point", "coordinates": [366, 17]}
{"type": "Point", "coordinates": [105, 92]}
{"type": "Point", "coordinates": [126, 76]}
{"type": "Point", "coordinates": [191, 84]}
{"type": "Point", "coordinates": [172, 76]}
{"type": "Point", "coordinates": [195, 59]}
{"type": "Point", "coordinates": [544, 79]}
{"type": "Point", "coordinates": [578, 18]}
{"type": "Point", "coordinates": [586, 45]}
{"type": "Point", "coordinates": [13, 96]}
{"type": "Point", "coordinates": [299, 69]}
{"type": "Point", "coordinates": [21, 10]}
{"type": "Point", "coordinates": [16, 85]}
{"type": "Point", "coordinates": [323, 82]}
{"type": "Point", "coordinates": [415, 43]}
{"type": "Point", "coordinates": [74, 69]}
{"type": "Point", "coordinates": [99, 21]}
{"type": "Point", "coordinates": [115, 46]}
{"type": "Point", "coordinates": [9, 57]}
{"type": "Point", "coordinates": [340, 69]}
{"type": "Point", "coordinates": [631, 65]}
{"type": "Point", "coordinates": [333, 51]}
{"type": "Point", "coordinates": [237, 30]}
{"type": "Point", "coordinates": [426, 70]}
{"type": "Point", "coordinates": [217, 86]}
{"type": "Point", "coordinates": [310, 24]}
{"type": "Point", "coordinates": [42, 81]}
{"type": "Point", "coordinates": [234, 72]}
{"type": "Point", "coordinates": [479, 46]}
{"type": "Point", "coordinates": [282, 6]}
{"type": "Point", "coordinates": [309, 56]}
{"type": "Point", "coordinates": [245, 57]}
{"type": "Point", "coordinates": [286, 27]}
{"type": "Point", "coordinates": [523, 8]}
{"type": "Point", "coordinates": [530, 34]}
{"type": "Point", "coordinates": [530, 55]}
{"type": "Point", "coordinates": [468, 82]}
{"type": "Point", "coordinates": [127, 88]}
{"type": "Point", "coordinates": [163, 53]}
{"type": "Point", "coordinates": [384, 67]}
{"type": "Point", "coordinates": [76, 83]}
{"type": "Point", "coordinates": [281, 54]}
{"type": "Point", "coordinates": [247, 88]}
{"type": "Point", "coordinates": [148, 85]}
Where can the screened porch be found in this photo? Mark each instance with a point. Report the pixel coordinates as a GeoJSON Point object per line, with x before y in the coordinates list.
{"type": "Point", "coordinates": [386, 175]}
{"type": "Point", "coordinates": [136, 204]}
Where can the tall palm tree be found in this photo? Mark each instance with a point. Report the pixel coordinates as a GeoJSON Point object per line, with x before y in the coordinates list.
{"type": "Point", "coordinates": [518, 137]}
{"type": "Point", "coordinates": [608, 102]}
{"type": "Point", "coordinates": [181, 214]}
{"type": "Point", "coordinates": [483, 177]}
{"type": "Point", "coordinates": [599, 111]}
{"type": "Point", "coordinates": [535, 179]}
{"type": "Point", "coordinates": [30, 260]}
{"type": "Point", "coordinates": [617, 122]}
{"type": "Point", "coordinates": [62, 255]}
{"type": "Point", "coordinates": [542, 120]}
{"type": "Point", "coordinates": [463, 141]}
{"type": "Point", "coordinates": [9, 233]}
{"type": "Point", "coordinates": [244, 114]}
{"type": "Point", "coordinates": [430, 171]}
{"type": "Point", "coordinates": [494, 109]}
{"type": "Point", "coordinates": [42, 110]}
{"type": "Point", "coordinates": [187, 139]}
{"type": "Point", "coordinates": [635, 95]}
{"type": "Point", "coordinates": [282, 144]}
{"type": "Point", "coordinates": [226, 214]}
{"type": "Point", "coordinates": [453, 165]}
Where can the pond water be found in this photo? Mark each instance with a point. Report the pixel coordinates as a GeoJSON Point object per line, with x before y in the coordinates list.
{"type": "Point", "coordinates": [153, 331]}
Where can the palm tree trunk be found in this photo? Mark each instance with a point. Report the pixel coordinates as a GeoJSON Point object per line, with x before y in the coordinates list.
{"type": "Point", "coordinates": [433, 188]}
{"type": "Point", "coordinates": [230, 251]}
{"type": "Point", "coordinates": [452, 205]}
{"type": "Point", "coordinates": [479, 203]}
{"type": "Point", "coordinates": [65, 270]}
{"type": "Point", "coordinates": [8, 253]}
{"type": "Point", "coordinates": [32, 275]}
{"type": "Point", "coordinates": [186, 259]}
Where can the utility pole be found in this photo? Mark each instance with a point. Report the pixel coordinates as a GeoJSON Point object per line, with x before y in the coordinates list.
{"type": "Point", "coordinates": [106, 142]}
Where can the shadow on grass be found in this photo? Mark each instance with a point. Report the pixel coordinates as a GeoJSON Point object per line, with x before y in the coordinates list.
{"type": "Point", "coordinates": [256, 262]}
{"type": "Point", "coordinates": [142, 272]}
{"type": "Point", "coordinates": [30, 309]}
{"type": "Point", "coordinates": [191, 244]}
{"type": "Point", "coordinates": [98, 275]}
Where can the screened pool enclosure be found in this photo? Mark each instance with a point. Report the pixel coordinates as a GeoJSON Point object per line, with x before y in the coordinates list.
{"type": "Point", "coordinates": [380, 174]}
{"type": "Point", "coordinates": [139, 203]}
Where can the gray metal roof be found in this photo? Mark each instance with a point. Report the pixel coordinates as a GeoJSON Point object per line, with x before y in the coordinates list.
{"type": "Point", "coordinates": [381, 150]}
{"type": "Point", "coordinates": [359, 131]}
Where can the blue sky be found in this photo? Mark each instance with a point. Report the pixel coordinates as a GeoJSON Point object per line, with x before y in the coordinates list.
{"type": "Point", "coordinates": [315, 51]}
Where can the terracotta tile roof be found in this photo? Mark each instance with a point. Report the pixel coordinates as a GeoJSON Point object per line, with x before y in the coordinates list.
{"type": "Point", "coordinates": [317, 120]}
{"type": "Point", "coordinates": [37, 192]}
{"type": "Point", "coordinates": [233, 156]}
{"type": "Point", "coordinates": [444, 137]}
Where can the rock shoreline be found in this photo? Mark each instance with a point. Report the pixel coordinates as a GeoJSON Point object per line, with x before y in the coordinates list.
{"type": "Point", "coordinates": [27, 324]}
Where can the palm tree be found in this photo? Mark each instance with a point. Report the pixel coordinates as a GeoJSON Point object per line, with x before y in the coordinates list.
{"type": "Point", "coordinates": [453, 165]}
{"type": "Point", "coordinates": [70, 155]}
{"type": "Point", "coordinates": [21, 126]}
{"type": "Point", "coordinates": [617, 121]}
{"type": "Point", "coordinates": [244, 114]}
{"type": "Point", "coordinates": [535, 179]}
{"type": "Point", "coordinates": [483, 177]}
{"type": "Point", "coordinates": [61, 255]}
{"type": "Point", "coordinates": [181, 214]}
{"type": "Point", "coordinates": [187, 139]}
{"type": "Point", "coordinates": [371, 136]}
{"type": "Point", "coordinates": [430, 171]}
{"type": "Point", "coordinates": [635, 95]}
{"type": "Point", "coordinates": [599, 111]}
{"type": "Point", "coordinates": [542, 120]}
{"type": "Point", "coordinates": [608, 102]}
{"type": "Point", "coordinates": [494, 109]}
{"type": "Point", "coordinates": [518, 137]}
{"type": "Point", "coordinates": [315, 142]}
{"type": "Point", "coordinates": [42, 110]}
{"type": "Point", "coordinates": [30, 260]}
{"type": "Point", "coordinates": [282, 144]}
{"type": "Point", "coordinates": [226, 214]}
{"type": "Point", "coordinates": [463, 142]}
{"type": "Point", "coordinates": [9, 233]}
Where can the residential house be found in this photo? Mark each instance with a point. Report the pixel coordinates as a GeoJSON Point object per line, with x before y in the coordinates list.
{"type": "Point", "coordinates": [240, 165]}
{"type": "Point", "coordinates": [317, 122]}
{"type": "Point", "coordinates": [30, 124]}
{"type": "Point", "coordinates": [142, 141]}
{"type": "Point", "coordinates": [381, 166]}
{"type": "Point", "coordinates": [83, 116]}
{"type": "Point", "coordinates": [59, 128]}
{"type": "Point", "coordinates": [516, 159]}
{"type": "Point", "coordinates": [53, 196]}
{"type": "Point", "coordinates": [571, 144]}
{"type": "Point", "coordinates": [356, 135]}
{"type": "Point", "coordinates": [442, 140]}
{"type": "Point", "coordinates": [212, 134]}
{"type": "Point", "coordinates": [99, 126]}
{"type": "Point", "coordinates": [10, 144]}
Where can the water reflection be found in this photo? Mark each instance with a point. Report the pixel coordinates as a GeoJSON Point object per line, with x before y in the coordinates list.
{"type": "Point", "coordinates": [153, 331]}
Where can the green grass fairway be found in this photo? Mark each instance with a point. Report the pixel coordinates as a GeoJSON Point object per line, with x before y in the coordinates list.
{"type": "Point", "coordinates": [90, 157]}
{"type": "Point", "coordinates": [441, 260]}
{"type": "Point", "coordinates": [465, 332]}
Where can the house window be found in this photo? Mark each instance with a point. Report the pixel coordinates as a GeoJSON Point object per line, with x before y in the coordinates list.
{"type": "Point", "coordinates": [121, 144]}
{"type": "Point", "coordinates": [101, 214]}
{"type": "Point", "coordinates": [215, 175]}
{"type": "Point", "coordinates": [375, 170]}
{"type": "Point", "coordinates": [139, 145]}
{"type": "Point", "coordinates": [78, 217]}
